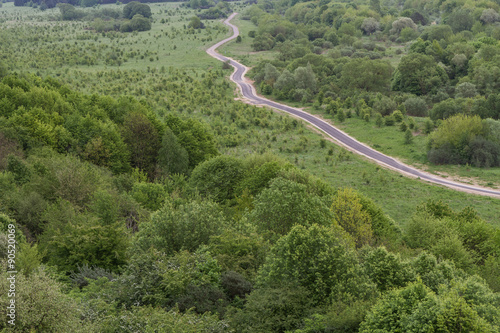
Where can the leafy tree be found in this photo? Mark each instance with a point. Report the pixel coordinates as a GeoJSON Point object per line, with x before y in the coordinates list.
{"type": "Point", "coordinates": [134, 7]}
{"type": "Point", "coordinates": [270, 74]}
{"type": "Point", "coordinates": [305, 78]}
{"type": "Point", "coordinates": [195, 137]}
{"type": "Point", "coordinates": [385, 106]}
{"type": "Point", "coordinates": [401, 23]}
{"type": "Point", "coordinates": [149, 195]}
{"type": "Point", "coordinates": [286, 203]}
{"type": "Point", "coordinates": [40, 304]}
{"type": "Point", "coordinates": [319, 259]}
{"type": "Point", "coordinates": [138, 23]}
{"type": "Point", "coordinates": [279, 309]}
{"type": "Point", "coordinates": [237, 252]}
{"type": "Point", "coordinates": [69, 12]}
{"type": "Point", "coordinates": [183, 228]}
{"type": "Point", "coordinates": [408, 136]}
{"type": "Point", "coordinates": [218, 178]}
{"type": "Point", "coordinates": [285, 83]}
{"type": "Point", "coordinates": [455, 134]}
{"type": "Point", "coordinates": [416, 106]}
{"type": "Point", "coordinates": [143, 141]}
{"type": "Point", "coordinates": [489, 16]}
{"type": "Point", "coordinates": [460, 20]}
{"type": "Point", "coordinates": [386, 269]}
{"type": "Point", "coordinates": [365, 74]}
{"type": "Point", "coordinates": [348, 213]}
{"type": "Point", "coordinates": [370, 25]}
{"type": "Point", "coordinates": [196, 23]}
{"type": "Point", "coordinates": [172, 157]}
{"type": "Point", "coordinates": [418, 74]}
{"type": "Point", "coordinates": [415, 307]}
{"type": "Point", "coordinates": [71, 239]}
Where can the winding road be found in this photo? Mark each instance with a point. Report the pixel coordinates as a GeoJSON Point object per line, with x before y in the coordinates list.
{"type": "Point", "coordinates": [249, 93]}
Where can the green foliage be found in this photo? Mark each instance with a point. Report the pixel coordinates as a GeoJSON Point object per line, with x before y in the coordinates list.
{"type": "Point", "coordinates": [416, 307]}
{"type": "Point", "coordinates": [172, 157]}
{"type": "Point", "coordinates": [134, 8]}
{"type": "Point", "coordinates": [149, 195]}
{"type": "Point", "coordinates": [183, 228]}
{"type": "Point", "coordinates": [368, 75]}
{"type": "Point", "coordinates": [386, 269]}
{"type": "Point", "coordinates": [218, 178]}
{"type": "Point", "coordinates": [39, 303]}
{"type": "Point", "coordinates": [237, 252]}
{"type": "Point", "coordinates": [71, 239]}
{"type": "Point", "coordinates": [286, 203]}
{"type": "Point", "coordinates": [349, 214]}
{"type": "Point", "coordinates": [195, 137]}
{"type": "Point", "coordinates": [460, 139]}
{"type": "Point", "coordinates": [418, 74]}
{"type": "Point", "coordinates": [408, 137]}
{"type": "Point", "coordinates": [272, 310]}
{"type": "Point", "coordinates": [154, 319]}
{"type": "Point", "coordinates": [319, 259]}
{"type": "Point", "coordinates": [143, 141]}
{"type": "Point", "coordinates": [416, 106]}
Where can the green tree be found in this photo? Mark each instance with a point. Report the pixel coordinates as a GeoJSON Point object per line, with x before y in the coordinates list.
{"type": "Point", "coordinates": [143, 141]}
{"type": "Point", "coordinates": [416, 106]}
{"type": "Point", "coordinates": [305, 78]}
{"type": "Point", "coordinates": [418, 74]}
{"type": "Point", "coordinates": [319, 259]}
{"type": "Point", "coordinates": [348, 213]}
{"type": "Point", "coordinates": [40, 304]}
{"type": "Point", "coordinates": [196, 23]}
{"type": "Point", "coordinates": [195, 137]}
{"type": "Point", "coordinates": [172, 157]}
{"type": "Point", "coordinates": [286, 203]}
{"type": "Point", "coordinates": [365, 74]}
{"type": "Point", "coordinates": [71, 239]}
{"type": "Point", "coordinates": [139, 23]}
{"type": "Point", "coordinates": [134, 7]}
{"type": "Point", "coordinates": [218, 178]}
{"type": "Point", "coordinates": [183, 228]}
{"type": "Point", "coordinates": [279, 309]}
{"type": "Point", "coordinates": [386, 269]}
{"type": "Point", "coordinates": [460, 20]}
{"type": "Point", "coordinates": [149, 195]}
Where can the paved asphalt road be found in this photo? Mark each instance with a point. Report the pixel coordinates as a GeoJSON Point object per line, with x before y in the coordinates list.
{"type": "Point", "coordinates": [342, 138]}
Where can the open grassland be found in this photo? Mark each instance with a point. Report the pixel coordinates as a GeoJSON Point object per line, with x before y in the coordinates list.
{"type": "Point", "coordinates": [167, 69]}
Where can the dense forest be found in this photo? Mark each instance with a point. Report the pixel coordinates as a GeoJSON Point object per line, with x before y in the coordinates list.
{"type": "Point", "coordinates": [142, 197]}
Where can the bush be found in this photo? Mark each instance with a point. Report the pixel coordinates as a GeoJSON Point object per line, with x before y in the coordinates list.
{"type": "Point", "coordinates": [389, 121]}
{"type": "Point", "coordinates": [384, 106]}
{"type": "Point", "coordinates": [218, 178]}
{"type": "Point", "coordinates": [416, 106]}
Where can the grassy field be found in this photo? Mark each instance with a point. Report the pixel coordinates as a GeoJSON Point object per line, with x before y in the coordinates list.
{"type": "Point", "coordinates": [174, 80]}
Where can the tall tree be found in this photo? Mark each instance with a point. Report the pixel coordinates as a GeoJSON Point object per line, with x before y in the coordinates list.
{"type": "Point", "coordinates": [143, 141]}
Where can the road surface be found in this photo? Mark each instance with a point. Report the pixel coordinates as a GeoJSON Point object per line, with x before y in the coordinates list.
{"type": "Point", "coordinates": [249, 93]}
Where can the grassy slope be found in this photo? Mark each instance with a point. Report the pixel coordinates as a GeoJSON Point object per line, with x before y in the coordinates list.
{"type": "Point", "coordinates": [397, 195]}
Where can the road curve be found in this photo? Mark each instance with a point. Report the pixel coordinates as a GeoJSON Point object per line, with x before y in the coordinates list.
{"type": "Point", "coordinates": [249, 93]}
